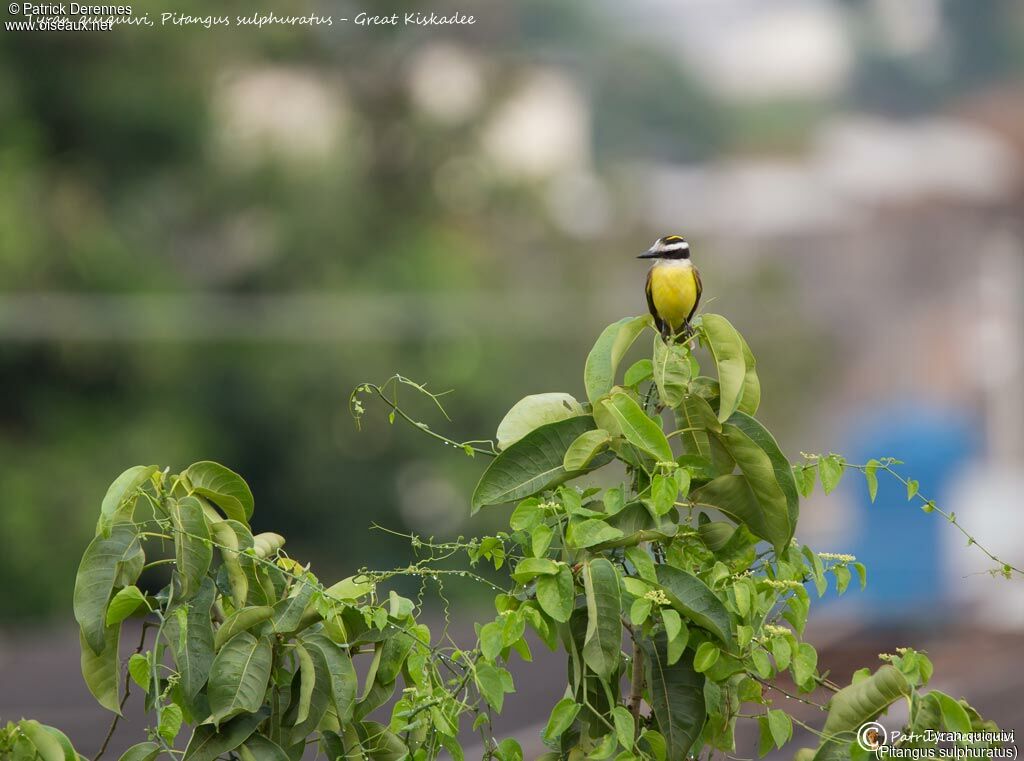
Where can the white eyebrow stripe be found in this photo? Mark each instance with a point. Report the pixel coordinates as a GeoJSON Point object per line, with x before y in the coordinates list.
{"type": "Point", "coordinates": [680, 246]}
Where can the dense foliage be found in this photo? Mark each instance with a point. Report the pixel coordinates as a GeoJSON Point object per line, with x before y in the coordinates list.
{"type": "Point", "coordinates": [685, 552]}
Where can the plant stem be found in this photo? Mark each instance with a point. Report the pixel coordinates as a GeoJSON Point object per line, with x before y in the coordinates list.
{"type": "Point", "coordinates": [636, 687]}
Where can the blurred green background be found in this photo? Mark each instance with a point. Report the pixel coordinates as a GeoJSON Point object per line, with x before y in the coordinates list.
{"type": "Point", "coordinates": [208, 237]}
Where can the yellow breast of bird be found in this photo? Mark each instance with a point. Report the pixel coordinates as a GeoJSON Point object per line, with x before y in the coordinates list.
{"type": "Point", "coordinates": [674, 290]}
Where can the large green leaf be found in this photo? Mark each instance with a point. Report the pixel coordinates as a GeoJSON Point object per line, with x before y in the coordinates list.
{"type": "Point", "coordinates": [677, 696]}
{"type": "Point", "coordinates": [531, 412]}
{"type": "Point", "coordinates": [146, 751]}
{"type": "Point", "coordinates": [259, 748]}
{"type": "Point", "coordinates": [208, 743]}
{"type": "Point", "coordinates": [556, 594]}
{"type": "Point", "coordinates": [192, 647]}
{"type": "Point", "coordinates": [603, 643]}
{"type": "Point", "coordinates": [229, 536]}
{"type": "Point", "coordinates": [288, 612]}
{"type": "Point", "coordinates": [733, 496]}
{"type": "Point", "coordinates": [639, 430]}
{"type": "Point", "coordinates": [760, 473]}
{"type": "Point", "coordinates": [239, 676]}
{"type": "Point", "coordinates": [750, 399]}
{"type": "Point", "coordinates": [314, 691]}
{"type": "Point", "coordinates": [122, 492]}
{"type": "Point", "coordinates": [240, 621]}
{"type": "Point", "coordinates": [532, 464]}
{"type": "Point", "coordinates": [223, 487]}
{"type": "Point", "coordinates": [193, 552]}
{"type": "Point", "coordinates": [695, 418]}
{"type": "Point", "coordinates": [46, 743]}
{"type": "Point", "coordinates": [343, 679]}
{"type": "Point", "coordinates": [100, 669]}
{"type": "Point", "coordinates": [856, 704]}
{"type": "Point", "coordinates": [695, 600]}
{"type": "Point", "coordinates": [726, 347]}
{"type": "Point", "coordinates": [671, 368]}
{"type": "Point", "coordinates": [95, 580]}
{"type": "Point", "coordinates": [780, 464]}
{"type": "Point", "coordinates": [584, 449]}
{"type": "Point", "coordinates": [604, 358]}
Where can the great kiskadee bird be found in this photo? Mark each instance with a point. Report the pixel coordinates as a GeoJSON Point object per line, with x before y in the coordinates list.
{"type": "Point", "coordinates": [673, 286]}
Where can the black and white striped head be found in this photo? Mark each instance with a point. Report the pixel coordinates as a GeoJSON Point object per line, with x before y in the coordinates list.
{"type": "Point", "coordinates": [669, 247]}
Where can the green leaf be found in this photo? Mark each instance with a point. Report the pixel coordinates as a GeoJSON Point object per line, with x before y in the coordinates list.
{"type": "Point", "coordinates": [95, 581]}
{"type": "Point", "coordinates": [860, 702]}
{"type": "Point", "coordinates": [638, 429]}
{"type": "Point", "coordinates": [805, 664]}
{"type": "Point", "coordinates": [639, 610]}
{"type": "Point", "coordinates": [350, 589]}
{"type": "Point", "coordinates": [532, 464]}
{"type": "Point", "coordinates": [343, 679]}
{"type": "Point", "coordinates": [488, 681]}
{"type": "Point", "coordinates": [671, 370]}
{"type": "Point", "coordinates": [676, 632]}
{"type": "Point", "coordinates": [726, 347]}
{"type": "Point", "coordinates": [638, 372]}
{"type": "Point", "coordinates": [805, 478]}
{"type": "Point", "coordinates": [642, 562]}
{"type": "Point", "coordinates": [954, 716]}
{"type": "Point", "coordinates": [733, 496]}
{"type": "Point", "coordinates": [288, 612]}
{"type": "Point", "coordinates": [208, 743]}
{"type": "Point", "coordinates": [750, 399]}
{"type": "Point", "coordinates": [585, 448]}
{"type": "Point", "coordinates": [782, 651]}
{"type": "Point", "coordinates": [101, 669]}
{"type": "Point", "coordinates": [124, 603]}
{"type": "Point", "coordinates": [842, 574]}
{"type": "Point", "coordinates": [531, 568]}
{"type": "Point", "coordinates": [760, 436]}
{"type": "Point", "coordinates": [193, 551]}
{"type": "Point", "coordinates": [138, 669]}
{"type": "Point", "coordinates": [912, 488]}
{"type": "Point", "coordinates": [625, 729]}
{"type": "Point", "coordinates": [146, 751]}
{"type": "Point", "coordinates": [780, 726]}
{"type": "Point", "coordinates": [240, 621]}
{"type": "Point", "coordinates": [223, 487]}
{"type": "Point", "coordinates": [556, 594]}
{"type": "Point", "coordinates": [47, 746]}
{"type": "Point", "coordinates": [871, 477]}
{"type": "Point", "coordinates": [122, 490]}
{"type": "Point", "coordinates": [604, 357]}
{"type": "Point", "coordinates": [170, 723]}
{"type": "Point", "coordinates": [239, 676]}
{"type": "Point", "coordinates": [706, 656]}
{"type": "Point", "coordinates": [307, 680]}
{"type": "Point", "coordinates": [533, 411]}
{"type": "Point", "coordinates": [190, 637]}
{"type": "Point", "coordinates": [862, 573]}
{"type": "Point", "coordinates": [695, 600]}
{"type": "Point", "coordinates": [602, 646]}
{"type": "Point", "coordinates": [778, 504]}
{"type": "Point", "coordinates": [232, 536]}
{"type": "Point", "coordinates": [590, 532]}
{"type": "Point", "coordinates": [562, 716]}
{"type": "Point", "coordinates": [540, 540]}
{"type": "Point", "coordinates": [830, 469]}
{"type": "Point", "coordinates": [259, 748]}
{"type": "Point", "coordinates": [491, 643]}
{"type": "Point", "coordinates": [695, 418]}
{"type": "Point", "coordinates": [677, 697]}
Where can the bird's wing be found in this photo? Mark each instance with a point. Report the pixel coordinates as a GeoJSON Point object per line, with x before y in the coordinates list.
{"type": "Point", "coordinates": [700, 289]}
{"type": "Point", "coordinates": [658, 322]}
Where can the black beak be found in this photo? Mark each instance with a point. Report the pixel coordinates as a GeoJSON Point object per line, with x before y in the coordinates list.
{"type": "Point", "coordinates": [650, 253]}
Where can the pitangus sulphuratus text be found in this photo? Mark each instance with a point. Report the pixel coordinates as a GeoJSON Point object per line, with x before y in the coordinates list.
{"type": "Point", "coordinates": [673, 286]}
